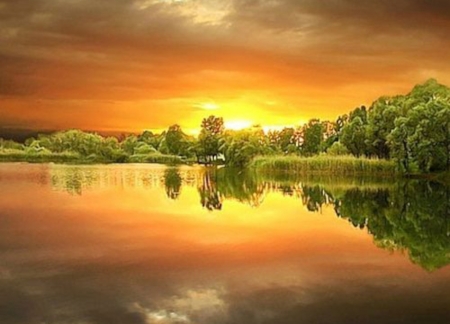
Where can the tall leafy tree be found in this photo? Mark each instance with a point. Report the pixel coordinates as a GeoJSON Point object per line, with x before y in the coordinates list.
{"type": "Point", "coordinates": [381, 122]}
{"type": "Point", "coordinates": [313, 134]}
{"type": "Point", "coordinates": [176, 141]}
{"type": "Point", "coordinates": [239, 147]}
{"type": "Point", "coordinates": [353, 136]}
{"type": "Point", "coordinates": [212, 129]}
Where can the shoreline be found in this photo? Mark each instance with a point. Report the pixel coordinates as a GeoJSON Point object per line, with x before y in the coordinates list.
{"type": "Point", "coordinates": [279, 165]}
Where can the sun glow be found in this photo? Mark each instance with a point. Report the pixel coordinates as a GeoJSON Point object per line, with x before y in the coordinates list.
{"type": "Point", "coordinates": [209, 106]}
{"type": "Point", "coordinates": [237, 124]}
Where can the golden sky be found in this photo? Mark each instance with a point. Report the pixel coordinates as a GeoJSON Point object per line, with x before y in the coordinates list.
{"type": "Point", "coordinates": [147, 64]}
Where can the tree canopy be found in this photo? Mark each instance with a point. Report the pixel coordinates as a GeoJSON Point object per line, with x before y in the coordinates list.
{"type": "Point", "coordinates": [411, 129]}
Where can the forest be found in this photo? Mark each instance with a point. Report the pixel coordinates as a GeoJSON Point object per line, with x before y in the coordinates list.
{"type": "Point", "coordinates": [406, 133]}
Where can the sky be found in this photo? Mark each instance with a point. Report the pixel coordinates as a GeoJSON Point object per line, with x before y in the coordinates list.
{"type": "Point", "coordinates": [116, 65]}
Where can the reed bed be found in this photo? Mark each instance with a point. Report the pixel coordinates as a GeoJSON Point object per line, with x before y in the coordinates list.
{"type": "Point", "coordinates": [324, 164]}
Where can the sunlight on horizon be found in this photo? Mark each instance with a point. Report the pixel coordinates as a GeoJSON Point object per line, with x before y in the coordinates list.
{"type": "Point", "coordinates": [234, 125]}
{"type": "Point", "coordinates": [238, 124]}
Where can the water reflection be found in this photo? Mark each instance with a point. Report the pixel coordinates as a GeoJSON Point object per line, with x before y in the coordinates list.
{"type": "Point", "coordinates": [172, 183]}
{"type": "Point", "coordinates": [210, 196]}
{"type": "Point", "coordinates": [412, 216]}
{"type": "Point", "coordinates": [149, 244]}
{"type": "Point", "coordinates": [408, 215]}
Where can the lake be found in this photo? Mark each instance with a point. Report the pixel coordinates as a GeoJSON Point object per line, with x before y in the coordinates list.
{"type": "Point", "coordinates": [139, 244]}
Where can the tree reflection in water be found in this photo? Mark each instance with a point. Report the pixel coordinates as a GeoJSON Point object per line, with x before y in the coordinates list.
{"type": "Point", "coordinates": [210, 197]}
{"type": "Point", "coordinates": [172, 183]}
{"type": "Point", "coordinates": [410, 215]}
{"type": "Point", "coordinates": [407, 215]}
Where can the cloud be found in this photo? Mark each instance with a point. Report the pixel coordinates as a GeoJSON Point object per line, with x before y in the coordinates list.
{"type": "Point", "coordinates": [128, 52]}
{"type": "Point", "coordinates": [348, 26]}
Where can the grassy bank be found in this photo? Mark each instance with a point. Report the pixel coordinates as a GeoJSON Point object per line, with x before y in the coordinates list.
{"type": "Point", "coordinates": [22, 156]}
{"type": "Point", "coordinates": [341, 165]}
{"type": "Point", "coordinates": [75, 158]}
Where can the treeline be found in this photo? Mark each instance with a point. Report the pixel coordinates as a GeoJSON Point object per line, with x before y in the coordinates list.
{"type": "Point", "coordinates": [170, 147]}
{"type": "Point", "coordinates": [412, 129]}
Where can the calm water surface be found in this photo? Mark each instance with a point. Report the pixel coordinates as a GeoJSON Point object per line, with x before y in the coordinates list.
{"type": "Point", "coordinates": [139, 244]}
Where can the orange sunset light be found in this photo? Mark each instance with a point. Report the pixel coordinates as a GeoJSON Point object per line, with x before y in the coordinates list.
{"type": "Point", "coordinates": [148, 64]}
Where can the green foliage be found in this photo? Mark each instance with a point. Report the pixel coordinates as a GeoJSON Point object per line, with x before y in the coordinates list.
{"type": "Point", "coordinates": [313, 134]}
{"type": "Point", "coordinates": [324, 164]}
{"type": "Point", "coordinates": [75, 146]}
{"type": "Point", "coordinates": [149, 138]}
{"type": "Point", "coordinates": [413, 130]}
{"type": "Point", "coordinates": [337, 149]}
{"type": "Point", "coordinates": [240, 147]}
{"type": "Point", "coordinates": [381, 122]}
{"type": "Point", "coordinates": [11, 155]}
{"type": "Point", "coordinates": [177, 142]}
{"type": "Point", "coordinates": [11, 145]}
{"type": "Point", "coordinates": [353, 136]}
{"type": "Point", "coordinates": [421, 134]}
{"type": "Point", "coordinates": [284, 139]}
{"type": "Point", "coordinates": [330, 135]}
{"type": "Point", "coordinates": [212, 129]}
{"type": "Point", "coordinates": [129, 144]}
{"type": "Point", "coordinates": [143, 148]}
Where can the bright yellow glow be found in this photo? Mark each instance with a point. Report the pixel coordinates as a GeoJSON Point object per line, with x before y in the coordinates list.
{"type": "Point", "coordinates": [268, 128]}
{"type": "Point", "coordinates": [208, 106]}
{"type": "Point", "coordinates": [237, 124]}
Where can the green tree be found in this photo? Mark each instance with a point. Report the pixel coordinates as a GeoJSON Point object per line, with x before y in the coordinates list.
{"type": "Point", "coordinates": [313, 133]}
{"type": "Point", "coordinates": [330, 135]}
{"type": "Point", "coordinates": [240, 147]}
{"type": "Point", "coordinates": [381, 122]}
{"type": "Point", "coordinates": [129, 144]}
{"type": "Point", "coordinates": [421, 133]}
{"type": "Point", "coordinates": [353, 136]}
{"type": "Point", "coordinates": [337, 149]}
{"type": "Point", "coordinates": [398, 143]}
{"type": "Point", "coordinates": [212, 129]}
{"type": "Point", "coordinates": [176, 140]}
{"type": "Point", "coordinates": [285, 139]}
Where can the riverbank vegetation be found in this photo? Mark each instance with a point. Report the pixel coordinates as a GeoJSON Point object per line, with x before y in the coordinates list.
{"type": "Point", "coordinates": [407, 133]}
{"type": "Point", "coordinates": [344, 165]}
